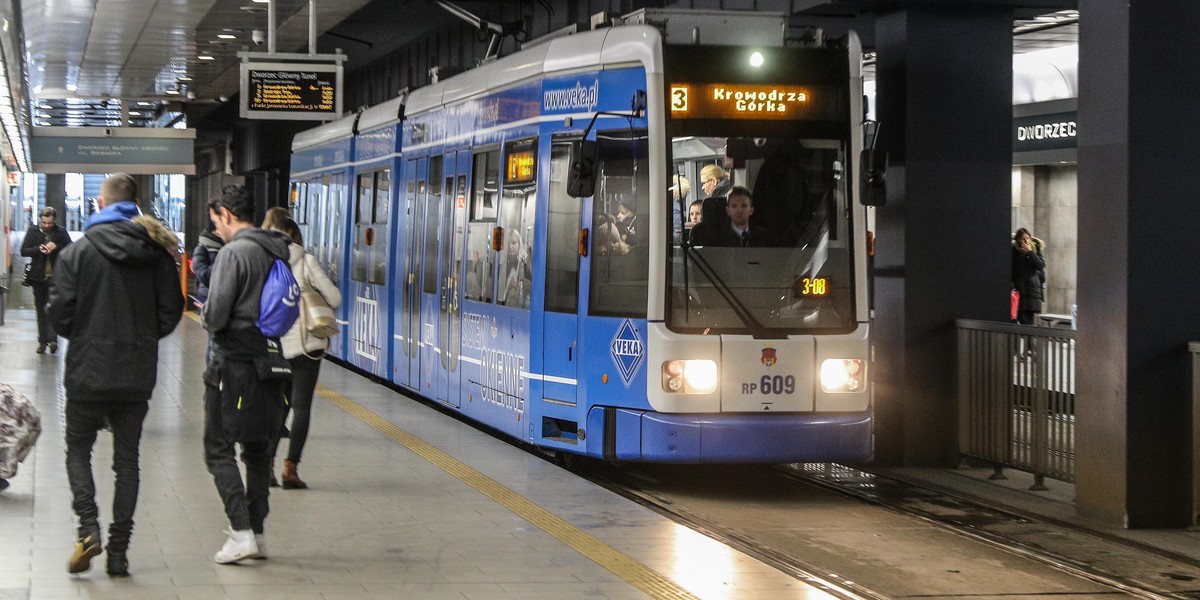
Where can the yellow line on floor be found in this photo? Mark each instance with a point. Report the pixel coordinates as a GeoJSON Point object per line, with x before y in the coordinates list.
{"type": "Point", "coordinates": [637, 574]}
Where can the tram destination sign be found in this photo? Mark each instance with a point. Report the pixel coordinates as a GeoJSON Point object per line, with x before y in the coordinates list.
{"type": "Point", "coordinates": [291, 91]}
{"type": "Point", "coordinates": [688, 100]}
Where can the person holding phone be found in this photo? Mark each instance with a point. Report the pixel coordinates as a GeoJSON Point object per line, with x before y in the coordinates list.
{"type": "Point", "coordinates": [1028, 274]}
{"type": "Point", "coordinates": [42, 244]}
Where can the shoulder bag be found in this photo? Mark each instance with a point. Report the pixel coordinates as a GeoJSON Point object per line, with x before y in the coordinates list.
{"type": "Point", "coordinates": [318, 317]}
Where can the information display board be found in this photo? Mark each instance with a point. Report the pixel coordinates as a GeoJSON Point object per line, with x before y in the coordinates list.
{"type": "Point", "coordinates": [291, 91]}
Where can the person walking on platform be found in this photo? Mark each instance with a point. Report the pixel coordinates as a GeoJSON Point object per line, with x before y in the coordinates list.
{"type": "Point", "coordinates": [116, 294]}
{"type": "Point", "coordinates": [42, 245]}
{"type": "Point", "coordinates": [303, 351]}
{"type": "Point", "coordinates": [240, 406]}
{"type": "Point", "coordinates": [1028, 274]}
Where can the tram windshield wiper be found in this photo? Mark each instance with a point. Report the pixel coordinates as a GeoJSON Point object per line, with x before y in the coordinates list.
{"type": "Point", "coordinates": [739, 308]}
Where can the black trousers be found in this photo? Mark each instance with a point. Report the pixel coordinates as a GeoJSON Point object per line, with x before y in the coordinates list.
{"type": "Point", "coordinates": [246, 504]}
{"type": "Point", "coordinates": [41, 297]}
{"type": "Point", "coordinates": [84, 420]}
{"type": "Point", "coordinates": [305, 372]}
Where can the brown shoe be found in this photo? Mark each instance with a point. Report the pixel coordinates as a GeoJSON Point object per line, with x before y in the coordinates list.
{"type": "Point", "coordinates": [291, 479]}
{"type": "Point", "coordinates": [41, 349]}
{"type": "Point", "coordinates": [53, 347]}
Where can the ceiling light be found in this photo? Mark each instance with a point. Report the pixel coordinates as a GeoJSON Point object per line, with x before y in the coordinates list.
{"type": "Point", "coordinates": [205, 57]}
{"type": "Point", "coordinates": [226, 36]}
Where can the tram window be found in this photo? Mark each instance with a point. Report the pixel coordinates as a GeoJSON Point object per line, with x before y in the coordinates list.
{"type": "Point", "coordinates": [620, 212]}
{"type": "Point", "coordinates": [485, 188]}
{"type": "Point", "coordinates": [516, 217]}
{"type": "Point", "coordinates": [433, 211]}
{"type": "Point", "coordinates": [360, 256]}
{"type": "Point", "coordinates": [379, 223]}
{"type": "Point", "coordinates": [562, 236]}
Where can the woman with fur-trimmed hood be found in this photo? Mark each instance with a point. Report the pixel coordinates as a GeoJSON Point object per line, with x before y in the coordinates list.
{"type": "Point", "coordinates": [1028, 274]}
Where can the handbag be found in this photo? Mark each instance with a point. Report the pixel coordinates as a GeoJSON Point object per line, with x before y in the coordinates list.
{"type": "Point", "coordinates": [314, 310]}
{"type": "Point", "coordinates": [1015, 304]}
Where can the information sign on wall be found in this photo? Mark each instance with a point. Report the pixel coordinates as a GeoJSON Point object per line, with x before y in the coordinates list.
{"type": "Point", "coordinates": [291, 91]}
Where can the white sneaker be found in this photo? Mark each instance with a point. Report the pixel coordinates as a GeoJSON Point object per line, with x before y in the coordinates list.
{"type": "Point", "coordinates": [261, 540]}
{"type": "Point", "coordinates": [240, 545]}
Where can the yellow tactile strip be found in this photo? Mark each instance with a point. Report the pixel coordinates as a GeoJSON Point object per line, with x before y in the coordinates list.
{"type": "Point", "coordinates": [637, 574]}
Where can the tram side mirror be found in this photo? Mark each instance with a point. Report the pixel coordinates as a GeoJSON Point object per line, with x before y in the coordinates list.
{"type": "Point", "coordinates": [874, 177]}
{"type": "Point", "coordinates": [581, 181]}
{"type": "Point", "coordinates": [497, 238]}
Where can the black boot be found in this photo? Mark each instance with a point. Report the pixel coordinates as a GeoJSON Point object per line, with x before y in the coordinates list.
{"type": "Point", "coordinates": [118, 564]}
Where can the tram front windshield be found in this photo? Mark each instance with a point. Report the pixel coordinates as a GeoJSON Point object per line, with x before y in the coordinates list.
{"type": "Point", "coordinates": [770, 251]}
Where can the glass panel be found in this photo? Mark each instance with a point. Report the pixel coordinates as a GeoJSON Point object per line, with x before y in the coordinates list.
{"type": "Point", "coordinates": [433, 212]}
{"type": "Point", "coordinates": [772, 250]}
{"type": "Point", "coordinates": [410, 242]}
{"type": "Point", "coordinates": [485, 188]}
{"type": "Point", "coordinates": [379, 246]}
{"type": "Point", "coordinates": [360, 257]}
{"type": "Point", "coordinates": [516, 217]}
{"type": "Point", "coordinates": [562, 231]}
{"type": "Point", "coordinates": [620, 258]}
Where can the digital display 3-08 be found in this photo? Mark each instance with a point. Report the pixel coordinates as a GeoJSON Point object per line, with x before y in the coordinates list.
{"type": "Point", "coordinates": [747, 101]}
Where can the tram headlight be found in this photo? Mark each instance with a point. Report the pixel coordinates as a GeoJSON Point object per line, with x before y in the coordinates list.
{"type": "Point", "coordinates": [842, 375]}
{"type": "Point", "coordinates": [689, 376]}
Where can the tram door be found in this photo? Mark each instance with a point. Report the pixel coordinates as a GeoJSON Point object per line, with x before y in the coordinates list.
{"type": "Point", "coordinates": [450, 256]}
{"type": "Point", "coordinates": [429, 302]}
{"type": "Point", "coordinates": [408, 363]}
{"type": "Point", "coordinates": [561, 323]}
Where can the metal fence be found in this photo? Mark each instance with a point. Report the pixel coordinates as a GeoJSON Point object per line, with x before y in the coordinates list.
{"type": "Point", "coordinates": [1016, 397]}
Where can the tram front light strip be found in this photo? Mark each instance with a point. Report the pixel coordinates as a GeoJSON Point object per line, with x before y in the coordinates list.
{"type": "Point", "coordinates": [689, 376]}
{"type": "Point", "coordinates": [842, 375]}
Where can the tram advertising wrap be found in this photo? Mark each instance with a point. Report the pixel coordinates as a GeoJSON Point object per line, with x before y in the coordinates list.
{"type": "Point", "coordinates": [613, 325]}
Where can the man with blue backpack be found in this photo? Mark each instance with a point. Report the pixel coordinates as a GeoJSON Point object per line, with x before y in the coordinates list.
{"type": "Point", "coordinates": [253, 299]}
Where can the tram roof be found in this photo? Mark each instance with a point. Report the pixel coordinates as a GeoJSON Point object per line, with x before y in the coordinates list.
{"type": "Point", "coordinates": [324, 133]}
{"type": "Point", "coordinates": [615, 45]}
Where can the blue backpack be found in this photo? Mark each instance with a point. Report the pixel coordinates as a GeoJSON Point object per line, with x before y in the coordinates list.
{"type": "Point", "coordinates": [280, 304]}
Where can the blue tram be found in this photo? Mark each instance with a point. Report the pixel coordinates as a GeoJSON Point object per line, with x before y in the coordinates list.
{"type": "Point", "coordinates": [513, 249]}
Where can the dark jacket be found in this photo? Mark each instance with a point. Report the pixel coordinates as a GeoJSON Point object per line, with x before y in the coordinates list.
{"type": "Point", "coordinates": [1029, 275]}
{"type": "Point", "coordinates": [235, 288]}
{"type": "Point", "coordinates": [31, 247]}
{"type": "Point", "coordinates": [115, 294]}
{"type": "Point", "coordinates": [203, 258]}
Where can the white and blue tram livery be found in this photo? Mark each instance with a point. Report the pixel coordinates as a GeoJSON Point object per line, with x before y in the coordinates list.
{"type": "Point", "coordinates": [318, 197]}
{"type": "Point", "coordinates": [540, 283]}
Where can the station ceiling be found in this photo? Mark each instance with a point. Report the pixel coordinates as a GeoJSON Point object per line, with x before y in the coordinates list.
{"type": "Point", "coordinates": [128, 62]}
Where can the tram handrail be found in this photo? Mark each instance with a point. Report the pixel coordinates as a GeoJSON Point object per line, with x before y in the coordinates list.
{"type": "Point", "coordinates": [1016, 397]}
{"type": "Point", "coordinates": [1194, 348]}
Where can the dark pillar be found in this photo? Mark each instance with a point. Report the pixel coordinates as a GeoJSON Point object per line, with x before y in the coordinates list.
{"type": "Point", "coordinates": [56, 197]}
{"type": "Point", "coordinates": [1138, 248]}
{"type": "Point", "coordinates": [944, 101]}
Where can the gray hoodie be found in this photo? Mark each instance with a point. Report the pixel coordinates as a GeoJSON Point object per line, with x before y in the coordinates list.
{"type": "Point", "coordinates": [238, 275]}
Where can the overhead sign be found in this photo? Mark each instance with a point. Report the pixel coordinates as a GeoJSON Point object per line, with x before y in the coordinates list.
{"type": "Point", "coordinates": [751, 101]}
{"type": "Point", "coordinates": [133, 150]}
{"type": "Point", "coordinates": [291, 91]}
{"type": "Point", "coordinates": [1044, 132]}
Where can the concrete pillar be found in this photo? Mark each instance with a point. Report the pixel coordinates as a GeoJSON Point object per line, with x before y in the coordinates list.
{"type": "Point", "coordinates": [1138, 248]}
{"type": "Point", "coordinates": [55, 193]}
{"type": "Point", "coordinates": [944, 100]}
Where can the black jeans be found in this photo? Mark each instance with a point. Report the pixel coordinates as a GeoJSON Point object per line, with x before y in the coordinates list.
{"type": "Point", "coordinates": [41, 296]}
{"type": "Point", "coordinates": [84, 419]}
{"type": "Point", "coordinates": [305, 371]}
{"type": "Point", "coordinates": [246, 505]}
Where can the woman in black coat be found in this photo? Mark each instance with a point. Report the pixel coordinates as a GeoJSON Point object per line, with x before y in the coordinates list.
{"type": "Point", "coordinates": [1028, 274]}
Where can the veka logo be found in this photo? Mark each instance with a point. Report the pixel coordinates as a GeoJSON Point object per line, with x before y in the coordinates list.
{"type": "Point", "coordinates": [366, 328]}
{"type": "Point", "coordinates": [627, 351]}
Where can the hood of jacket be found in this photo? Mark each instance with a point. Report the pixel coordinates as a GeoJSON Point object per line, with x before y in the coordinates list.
{"type": "Point", "coordinates": [210, 240]}
{"type": "Point", "coordinates": [274, 242]}
{"type": "Point", "coordinates": [129, 243]}
{"type": "Point", "coordinates": [117, 211]}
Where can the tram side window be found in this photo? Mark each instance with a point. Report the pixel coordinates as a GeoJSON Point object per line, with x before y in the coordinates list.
{"type": "Point", "coordinates": [433, 221]}
{"type": "Point", "coordinates": [516, 217]}
{"type": "Point", "coordinates": [562, 231]}
{"type": "Point", "coordinates": [379, 246]}
{"type": "Point", "coordinates": [485, 201]}
{"type": "Point", "coordinates": [620, 232]}
{"type": "Point", "coordinates": [332, 203]}
{"type": "Point", "coordinates": [360, 254]}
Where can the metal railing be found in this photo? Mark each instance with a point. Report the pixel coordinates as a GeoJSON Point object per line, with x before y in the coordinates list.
{"type": "Point", "coordinates": [1016, 397]}
{"type": "Point", "coordinates": [1194, 348]}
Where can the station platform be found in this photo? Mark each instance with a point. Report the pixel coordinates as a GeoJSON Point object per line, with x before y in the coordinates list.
{"type": "Point", "coordinates": [404, 502]}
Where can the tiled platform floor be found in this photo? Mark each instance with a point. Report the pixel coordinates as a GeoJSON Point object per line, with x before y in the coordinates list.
{"type": "Point", "coordinates": [379, 521]}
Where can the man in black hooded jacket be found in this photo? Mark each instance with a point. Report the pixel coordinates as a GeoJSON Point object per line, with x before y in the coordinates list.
{"type": "Point", "coordinates": [115, 294]}
{"type": "Point", "coordinates": [42, 245]}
